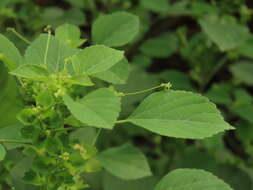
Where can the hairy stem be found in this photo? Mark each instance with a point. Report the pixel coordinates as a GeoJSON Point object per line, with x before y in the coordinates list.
{"type": "Point", "coordinates": [163, 85]}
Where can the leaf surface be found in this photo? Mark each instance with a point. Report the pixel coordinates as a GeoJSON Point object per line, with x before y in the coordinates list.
{"type": "Point", "coordinates": [156, 6]}
{"type": "Point", "coordinates": [99, 108]}
{"type": "Point", "coordinates": [234, 34]}
{"type": "Point", "coordinates": [116, 29]}
{"type": "Point", "coordinates": [179, 114]}
{"type": "Point", "coordinates": [69, 34]}
{"type": "Point", "coordinates": [186, 179]}
{"type": "Point", "coordinates": [243, 71]}
{"type": "Point", "coordinates": [9, 53]}
{"type": "Point", "coordinates": [117, 74]}
{"type": "Point", "coordinates": [125, 162]}
{"type": "Point", "coordinates": [96, 59]}
{"type": "Point", "coordinates": [48, 51]}
{"type": "Point", "coordinates": [2, 152]}
{"type": "Point", "coordinates": [35, 72]}
{"type": "Point", "coordinates": [9, 98]}
{"type": "Point", "coordinates": [162, 46]}
{"type": "Point", "coordinates": [12, 132]}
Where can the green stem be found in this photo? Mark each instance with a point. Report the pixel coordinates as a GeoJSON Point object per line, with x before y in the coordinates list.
{"type": "Point", "coordinates": [69, 128]}
{"type": "Point", "coordinates": [13, 141]}
{"type": "Point", "coordinates": [19, 35]}
{"type": "Point", "coordinates": [122, 121]}
{"type": "Point", "coordinates": [47, 46]}
{"type": "Point", "coordinates": [163, 85]}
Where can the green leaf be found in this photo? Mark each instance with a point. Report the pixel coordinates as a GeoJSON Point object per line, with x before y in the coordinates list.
{"type": "Point", "coordinates": [95, 59]}
{"type": "Point", "coordinates": [125, 162]}
{"type": "Point", "coordinates": [180, 8]}
{"type": "Point", "coordinates": [84, 135]}
{"type": "Point", "coordinates": [185, 179]}
{"type": "Point", "coordinates": [31, 177]}
{"type": "Point", "coordinates": [56, 16]}
{"type": "Point", "coordinates": [156, 6]}
{"type": "Point", "coordinates": [244, 111]}
{"type": "Point", "coordinates": [55, 55]}
{"type": "Point", "coordinates": [162, 46]}
{"type": "Point", "coordinates": [247, 48]}
{"type": "Point", "coordinates": [69, 34]}
{"type": "Point", "coordinates": [117, 74]}
{"type": "Point", "coordinates": [9, 98]}
{"type": "Point", "coordinates": [243, 71]}
{"type": "Point", "coordinates": [111, 182]}
{"type": "Point", "coordinates": [53, 145]}
{"type": "Point", "coordinates": [2, 152]}
{"type": "Point", "coordinates": [17, 172]}
{"type": "Point", "coordinates": [179, 114]}
{"type": "Point", "coordinates": [45, 99]}
{"type": "Point", "coordinates": [99, 108]}
{"type": "Point", "coordinates": [9, 54]}
{"type": "Point", "coordinates": [35, 72]}
{"type": "Point", "coordinates": [234, 34]}
{"type": "Point", "coordinates": [82, 80]}
{"type": "Point", "coordinates": [12, 132]}
{"type": "Point", "coordinates": [242, 97]}
{"type": "Point", "coordinates": [116, 29]}
{"type": "Point", "coordinates": [219, 94]}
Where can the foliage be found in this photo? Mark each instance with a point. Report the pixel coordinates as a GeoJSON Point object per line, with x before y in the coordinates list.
{"type": "Point", "coordinates": [77, 115]}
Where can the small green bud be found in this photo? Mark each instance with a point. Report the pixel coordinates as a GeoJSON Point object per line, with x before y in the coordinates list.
{"type": "Point", "coordinates": [48, 133]}
{"type": "Point", "coordinates": [65, 156]}
{"type": "Point", "coordinates": [60, 92]}
{"type": "Point", "coordinates": [167, 85]}
{"type": "Point", "coordinates": [121, 94]}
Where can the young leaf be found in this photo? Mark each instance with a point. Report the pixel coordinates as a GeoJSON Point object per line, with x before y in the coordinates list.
{"type": "Point", "coordinates": [48, 50]}
{"type": "Point", "coordinates": [184, 179]}
{"type": "Point", "coordinates": [243, 71]}
{"type": "Point", "coordinates": [2, 152]}
{"type": "Point", "coordinates": [99, 108]}
{"type": "Point", "coordinates": [9, 54]}
{"type": "Point", "coordinates": [69, 34]}
{"type": "Point", "coordinates": [235, 34]}
{"type": "Point", "coordinates": [35, 72]}
{"type": "Point", "coordinates": [116, 29]}
{"type": "Point", "coordinates": [95, 59]}
{"type": "Point", "coordinates": [179, 114]}
{"type": "Point", "coordinates": [117, 74]}
{"type": "Point", "coordinates": [125, 162]}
